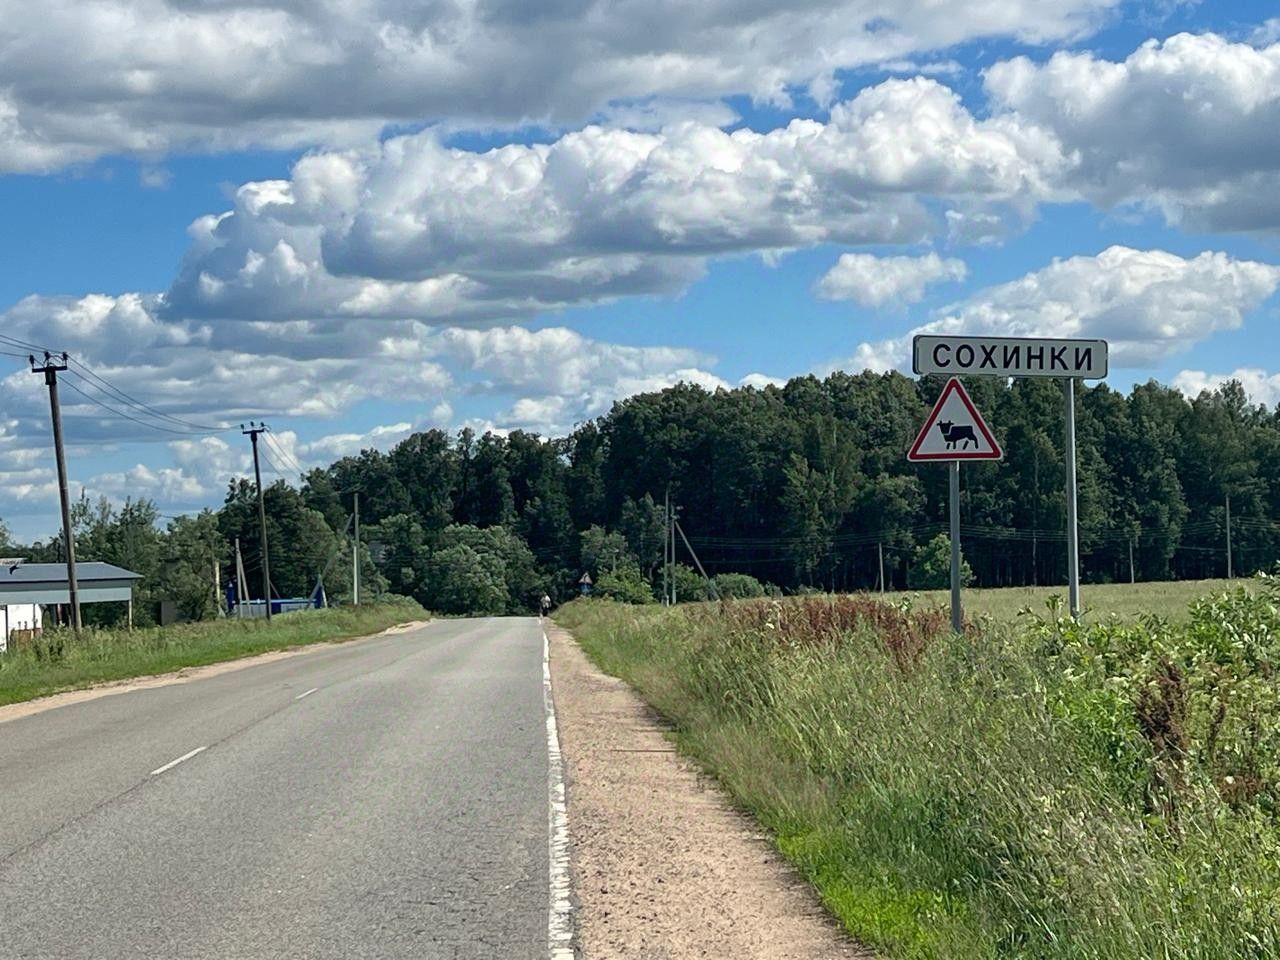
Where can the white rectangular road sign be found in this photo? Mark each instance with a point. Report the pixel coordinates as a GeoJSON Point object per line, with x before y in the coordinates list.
{"type": "Point", "coordinates": [1009, 357]}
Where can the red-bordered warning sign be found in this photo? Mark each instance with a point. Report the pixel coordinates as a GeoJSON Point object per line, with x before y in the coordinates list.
{"type": "Point", "coordinates": [955, 430]}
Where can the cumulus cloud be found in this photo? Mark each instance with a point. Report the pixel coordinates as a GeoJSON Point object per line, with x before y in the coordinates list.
{"type": "Point", "coordinates": [874, 281]}
{"type": "Point", "coordinates": [1148, 304]}
{"type": "Point", "coordinates": [167, 485]}
{"type": "Point", "coordinates": [1189, 126]}
{"type": "Point", "coordinates": [761, 380]}
{"type": "Point", "coordinates": [413, 228]}
{"type": "Point", "coordinates": [1261, 386]}
{"type": "Point", "coordinates": [82, 78]}
{"type": "Point", "coordinates": [562, 378]}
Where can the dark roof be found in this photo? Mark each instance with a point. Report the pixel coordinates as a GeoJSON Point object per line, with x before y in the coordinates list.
{"type": "Point", "coordinates": [57, 573]}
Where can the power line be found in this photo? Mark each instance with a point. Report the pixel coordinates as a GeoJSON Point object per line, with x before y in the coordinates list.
{"type": "Point", "coordinates": [127, 416]}
{"type": "Point", "coordinates": [287, 457]}
{"type": "Point", "coordinates": [24, 344]}
{"type": "Point", "coordinates": [84, 369]}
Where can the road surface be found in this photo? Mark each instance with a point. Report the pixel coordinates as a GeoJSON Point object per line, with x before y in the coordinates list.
{"type": "Point", "coordinates": [383, 799]}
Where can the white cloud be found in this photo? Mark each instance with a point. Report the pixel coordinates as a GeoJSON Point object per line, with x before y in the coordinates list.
{"type": "Point", "coordinates": [82, 78]}
{"type": "Point", "coordinates": [555, 360]}
{"type": "Point", "coordinates": [761, 380]}
{"type": "Point", "coordinates": [932, 68]}
{"type": "Point", "coordinates": [411, 228]}
{"type": "Point", "coordinates": [561, 377]}
{"type": "Point", "coordinates": [551, 415]}
{"type": "Point", "coordinates": [1262, 387]}
{"type": "Point", "coordinates": [334, 446]}
{"type": "Point", "coordinates": [1189, 126]}
{"type": "Point", "coordinates": [874, 281]}
{"type": "Point", "coordinates": [1148, 304]}
{"type": "Point", "coordinates": [166, 485]}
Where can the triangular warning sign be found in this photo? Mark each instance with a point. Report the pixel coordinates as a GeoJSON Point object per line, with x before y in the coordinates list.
{"type": "Point", "coordinates": [955, 430]}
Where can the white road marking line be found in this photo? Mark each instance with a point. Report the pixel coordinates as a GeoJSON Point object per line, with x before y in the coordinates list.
{"type": "Point", "coordinates": [560, 916]}
{"type": "Point", "coordinates": [173, 763]}
{"type": "Point", "coordinates": [307, 694]}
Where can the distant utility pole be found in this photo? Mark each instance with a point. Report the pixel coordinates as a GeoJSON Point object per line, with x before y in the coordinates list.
{"type": "Point", "coordinates": [671, 529]}
{"type": "Point", "coordinates": [241, 596]}
{"type": "Point", "coordinates": [51, 371]}
{"type": "Point", "coordinates": [880, 552]}
{"type": "Point", "coordinates": [1230, 572]}
{"type": "Point", "coordinates": [355, 554]}
{"type": "Point", "coordinates": [252, 434]}
{"type": "Point", "coordinates": [667, 574]}
{"type": "Point", "coordinates": [711, 587]}
{"type": "Point", "coordinates": [217, 587]}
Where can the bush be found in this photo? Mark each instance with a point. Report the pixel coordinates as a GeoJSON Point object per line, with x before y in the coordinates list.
{"type": "Point", "coordinates": [931, 566]}
{"type": "Point", "coordinates": [737, 586]}
{"type": "Point", "coordinates": [626, 584]}
{"type": "Point", "coordinates": [690, 585]}
{"type": "Point", "coordinates": [462, 581]}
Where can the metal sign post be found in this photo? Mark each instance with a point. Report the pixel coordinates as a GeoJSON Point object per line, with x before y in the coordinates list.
{"type": "Point", "coordinates": [1073, 528]}
{"type": "Point", "coordinates": [953, 432]}
{"type": "Point", "coordinates": [1066, 360]}
{"type": "Point", "coordinates": [957, 614]}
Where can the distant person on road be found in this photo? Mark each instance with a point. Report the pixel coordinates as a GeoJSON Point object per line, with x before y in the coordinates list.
{"type": "Point", "coordinates": [544, 606]}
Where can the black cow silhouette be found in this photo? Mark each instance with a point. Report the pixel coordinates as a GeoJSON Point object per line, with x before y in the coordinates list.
{"type": "Point", "coordinates": [953, 434]}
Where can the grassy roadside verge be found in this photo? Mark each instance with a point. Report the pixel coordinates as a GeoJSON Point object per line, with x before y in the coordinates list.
{"type": "Point", "coordinates": [1043, 791]}
{"type": "Point", "coordinates": [106, 655]}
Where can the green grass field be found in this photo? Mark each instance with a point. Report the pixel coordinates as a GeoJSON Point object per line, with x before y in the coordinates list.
{"type": "Point", "coordinates": [1169, 600]}
{"type": "Point", "coordinates": [1034, 789]}
{"type": "Point", "coordinates": [106, 655]}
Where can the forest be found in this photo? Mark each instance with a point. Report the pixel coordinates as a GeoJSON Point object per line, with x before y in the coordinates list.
{"type": "Point", "coordinates": [802, 487]}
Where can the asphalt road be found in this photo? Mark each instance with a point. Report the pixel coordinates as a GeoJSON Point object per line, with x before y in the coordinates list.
{"type": "Point", "coordinates": [398, 811]}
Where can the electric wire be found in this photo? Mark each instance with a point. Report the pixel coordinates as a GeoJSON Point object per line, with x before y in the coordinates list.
{"type": "Point", "coordinates": [83, 370]}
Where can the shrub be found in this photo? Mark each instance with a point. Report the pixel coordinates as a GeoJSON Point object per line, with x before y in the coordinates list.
{"type": "Point", "coordinates": [462, 581]}
{"type": "Point", "coordinates": [931, 566]}
{"type": "Point", "coordinates": [690, 585]}
{"type": "Point", "coordinates": [626, 584]}
{"type": "Point", "coordinates": [736, 586]}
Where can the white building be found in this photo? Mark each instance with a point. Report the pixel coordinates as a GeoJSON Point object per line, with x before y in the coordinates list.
{"type": "Point", "coordinates": [26, 587]}
{"type": "Point", "coordinates": [18, 616]}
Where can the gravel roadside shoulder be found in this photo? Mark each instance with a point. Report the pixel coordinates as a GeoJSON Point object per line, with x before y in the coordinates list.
{"type": "Point", "coordinates": [664, 868]}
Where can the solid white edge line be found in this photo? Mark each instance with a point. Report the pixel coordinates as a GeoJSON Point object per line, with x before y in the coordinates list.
{"type": "Point", "coordinates": [560, 917]}
{"type": "Point", "coordinates": [307, 694]}
{"type": "Point", "coordinates": [173, 763]}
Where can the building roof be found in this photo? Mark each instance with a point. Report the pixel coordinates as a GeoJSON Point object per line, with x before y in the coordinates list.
{"type": "Point", "coordinates": [57, 573]}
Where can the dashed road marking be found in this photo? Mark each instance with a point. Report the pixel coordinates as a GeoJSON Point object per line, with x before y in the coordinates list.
{"type": "Point", "coordinates": [560, 916]}
{"type": "Point", "coordinates": [173, 763]}
{"type": "Point", "coordinates": [307, 693]}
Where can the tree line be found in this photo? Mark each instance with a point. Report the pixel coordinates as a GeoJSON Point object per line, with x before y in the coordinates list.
{"type": "Point", "coordinates": [802, 486]}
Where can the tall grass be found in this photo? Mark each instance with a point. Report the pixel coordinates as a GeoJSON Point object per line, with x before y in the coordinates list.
{"type": "Point", "coordinates": [1032, 791]}
{"type": "Point", "coordinates": [58, 661]}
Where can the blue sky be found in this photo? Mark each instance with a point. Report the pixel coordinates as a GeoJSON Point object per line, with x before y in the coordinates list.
{"type": "Point", "coordinates": [323, 220]}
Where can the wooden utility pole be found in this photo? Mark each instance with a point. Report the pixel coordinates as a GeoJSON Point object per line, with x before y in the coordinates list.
{"type": "Point", "coordinates": [880, 552]}
{"type": "Point", "coordinates": [1230, 570]}
{"type": "Point", "coordinates": [666, 550]}
{"type": "Point", "coordinates": [241, 587]}
{"type": "Point", "coordinates": [252, 434]}
{"type": "Point", "coordinates": [355, 553]}
{"type": "Point", "coordinates": [51, 371]}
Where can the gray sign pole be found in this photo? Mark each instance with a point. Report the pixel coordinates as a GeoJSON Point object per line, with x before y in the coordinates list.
{"type": "Point", "coordinates": [1073, 530]}
{"type": "Point", "coordinates": [957, 615]}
